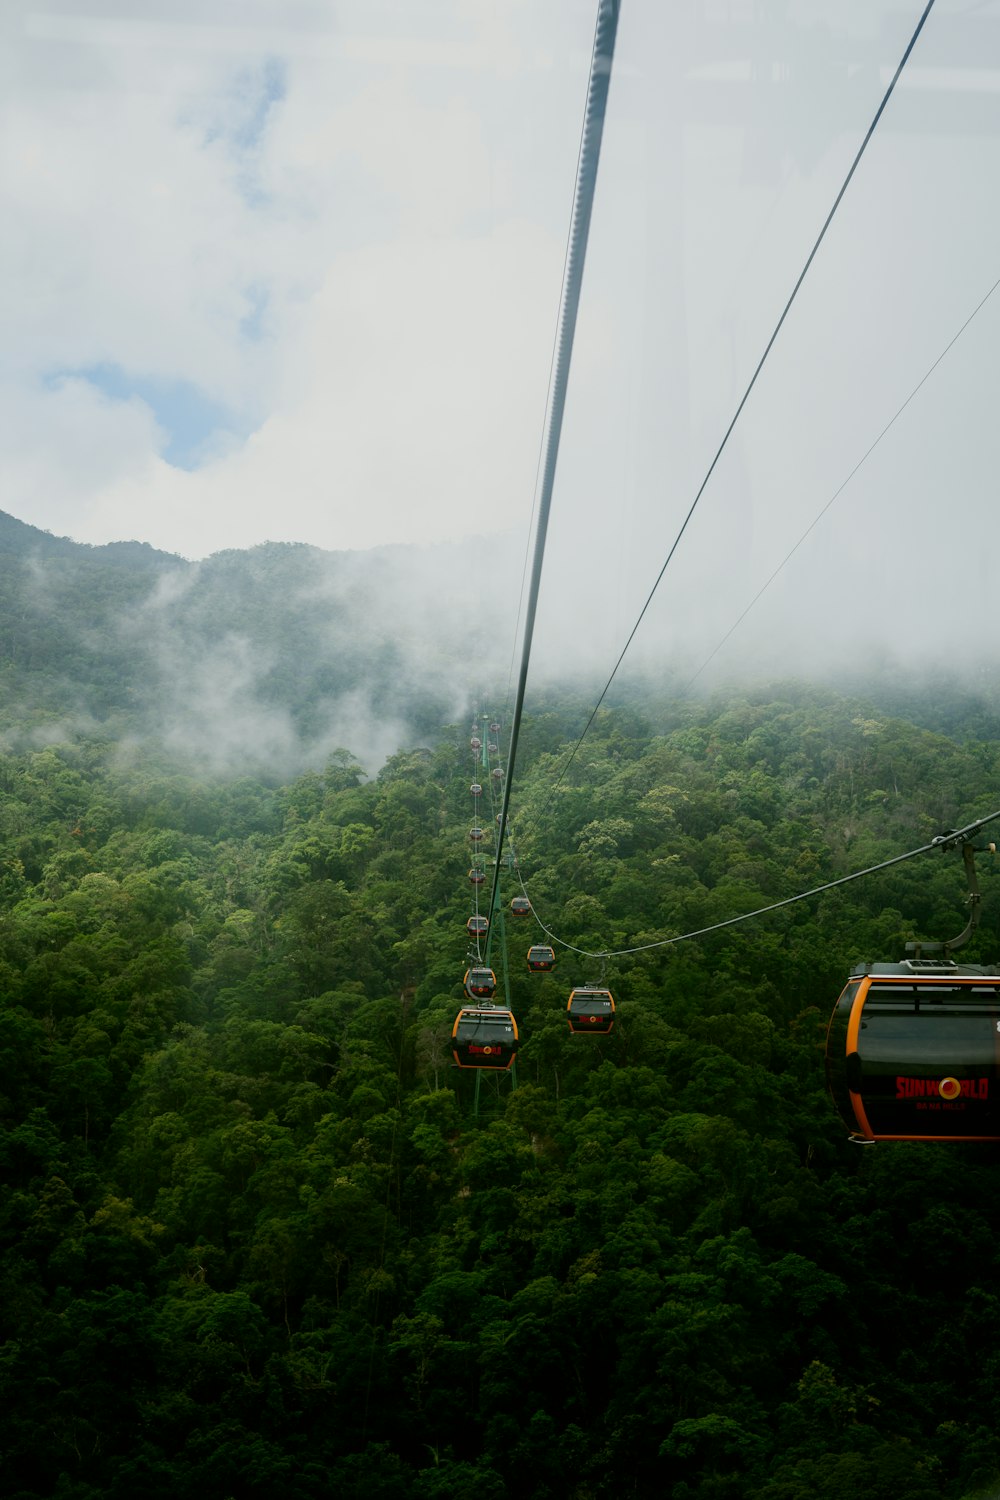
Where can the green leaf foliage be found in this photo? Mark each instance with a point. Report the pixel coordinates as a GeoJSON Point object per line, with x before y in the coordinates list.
{"type": "Point", "coordinates": [256, 1238]}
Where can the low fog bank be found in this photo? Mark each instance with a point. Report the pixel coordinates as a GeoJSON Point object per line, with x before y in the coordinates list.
{"type": "Point", "coordinates": [262, 661]}
{"type": "Point", "coordinates": [273, 658]}
{"type": "Point", "coordinates": [266, 661]}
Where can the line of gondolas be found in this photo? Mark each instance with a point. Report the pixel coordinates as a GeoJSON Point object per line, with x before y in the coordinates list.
{"type": "Point", "coordinates": [913, 1048]}
{"type": "Point", "coordinates": [485, 1034]}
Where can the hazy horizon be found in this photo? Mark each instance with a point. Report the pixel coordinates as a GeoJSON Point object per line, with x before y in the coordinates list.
{"type": "Point", "coordinates": [297, 280]}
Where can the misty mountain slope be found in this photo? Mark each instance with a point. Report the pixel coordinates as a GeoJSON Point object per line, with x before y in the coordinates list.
{"type": "Point", "coordinates": [268, 658]}
{"type": "Point", "coordinates": [62, 644]}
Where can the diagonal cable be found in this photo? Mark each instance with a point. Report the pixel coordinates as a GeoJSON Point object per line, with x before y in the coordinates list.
{"type": "Point", "coordinates": [843, 485]}
{"type": "Point", "coordinates": [753, 381]}
{"type": "Point", "coordinates": [583, 203]}
{"type": "Point", "coordinates": [942, 841]}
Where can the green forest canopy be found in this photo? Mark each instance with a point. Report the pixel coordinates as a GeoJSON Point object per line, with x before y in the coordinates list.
{"type": "Point", "coordinates": [254, 1241]}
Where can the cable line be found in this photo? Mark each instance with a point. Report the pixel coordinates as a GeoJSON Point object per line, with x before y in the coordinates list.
{"type": "Point", "coordinates": [753, 379]}
{"type": "Point", "coordinates": [839, 490]}
{"type": "Point", "coordinates": [583, 202]}
{"type": "Point", "coordinates": [942, 841]}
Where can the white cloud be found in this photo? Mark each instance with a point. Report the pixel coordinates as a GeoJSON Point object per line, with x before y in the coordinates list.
{"type": "Point", "coordinates": [406, 386]}
{"type": "Point", "coordinates": [362, 264]}
{"type": "Point", "coordinates": [401, 314]}
{"type": "Point", "coordinates": [65, 445]}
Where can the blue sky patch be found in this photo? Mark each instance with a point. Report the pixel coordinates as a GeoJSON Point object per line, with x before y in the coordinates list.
{"type": "Point", "coordinates": [270, 87]}
{"type": "Point", "coordinates": [252, 323]}
{"type": "Point", "coordinates": [187, 417]}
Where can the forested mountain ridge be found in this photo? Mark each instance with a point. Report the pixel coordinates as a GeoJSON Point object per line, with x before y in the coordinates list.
{"type": "Point", "coordinates": [261, 660]}
{"type": "Point", "coordinates": [253, 1241]}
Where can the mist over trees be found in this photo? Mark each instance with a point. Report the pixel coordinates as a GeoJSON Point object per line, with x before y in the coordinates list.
{"type": "Point", "coordinates": [266, 661]}
{"type": "Point", "coordinates": [262, 661]}
{"type": "Point", "coordinates": [253, 1240]}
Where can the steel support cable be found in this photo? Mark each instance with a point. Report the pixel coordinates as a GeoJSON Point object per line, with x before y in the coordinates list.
{"type": "Point", "coordinates": [475, 888]}
{"type": "Point", "coordinates": [477, 855]}
{"type": "Point", "coordinates": [583, 202]}
{"type": "Point", "coordinates": [488, 750]}
{"type": "Point", "coordinates": [841, 487]}
{"type": "Point", "coordinates": [787, 558]}
{"type": "Point", "coordinates": [534, 503]}
{"type": "Point", "coordinates": [753, 381]}
{"type": "Point", "coordinates": [943, 841]}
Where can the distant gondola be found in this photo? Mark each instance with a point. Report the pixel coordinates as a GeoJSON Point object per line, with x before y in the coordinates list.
{"type": "Point", "coordinates": [475, 834]}
{"type": "Point", "coordinates": [590, 1011]}
{"type": "Point", "coordinates": [913, 1052]}
{"type": "Point", "coordinates": [476, 742]}
{"type": "Point", "coordinates": [494, 727]}
{"type": "Point", "coordinates": [477, 926]}
{"type": "Point", "coordinates": [480, 983]}
{"type": "Point", "coordinates": [476, 789]}
{"type": "Point", "coordinates": [520, 906]}
{"type": "Point", "coordinates": [541, 958]}
{"type": "Point", "coordinates": [484, 1037]}
{"type": "Point", "coordinates": [492, 748]}
{"type": "Point", "coordinates": [497, 773]}
{"type": "Point", "coordinates": [477, 877]}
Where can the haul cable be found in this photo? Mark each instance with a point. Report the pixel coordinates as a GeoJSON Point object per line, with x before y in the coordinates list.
{"type": "Point", "coordinates": [941, 841]}
{"type": "Point", "coordinates": [841, 487]}
{"type": "Point", "coordinates": [583, 201]}
{"type": "Point", "coordinates": [753, 381]}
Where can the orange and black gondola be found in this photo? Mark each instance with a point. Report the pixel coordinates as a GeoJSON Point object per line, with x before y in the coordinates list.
{"type": "Point", "coordinates": [913, 1052]}
{"type": "Point", "coordinates": [477, 926]}
{"type": "Point", "coordinates": [520, 906]}
{"type": "Point", "coordinates": [484, 1037]}
{"type": "Point", "coordinates": [590, 1011]}
{"type": "Point", "coordinates": [541, 958]}
{"type": "Point", "coordinates": [477, 876]}
{"type": "Point", "coordinates": [480, 983]}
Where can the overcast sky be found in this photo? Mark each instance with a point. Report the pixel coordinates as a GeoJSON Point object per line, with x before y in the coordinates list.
{"type": "Point", "coordinates": [289, 270]}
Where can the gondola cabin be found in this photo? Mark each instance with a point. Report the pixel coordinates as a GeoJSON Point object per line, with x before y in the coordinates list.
{"type": "Point", "coordinates": [476, 835]}
{"type": "Point", "coordinates": [497, 773]}
{"type": "Point", "coordinates": [913, 1052]}
{"type": "Point", "coordinates": [492, 749]}
{"type": "Point", "coordinates": [520, 906]}
{"type": "Point", "coordinates": [494, 727]}
{"type": "Point", "coordinates": [484, 1037]}
{"type": "Point", "coordinates": [541, 959]}
{"type": "Point", "coordinates": [476, 789]}
{"type": "Point", "coordinates": [590, 1011]}
{"type": "Point", "coordinates": [477, 926]}
{"type": "Point", "coordinates": [480, 983]}
{"type": "Point", "coordinates": [477, 877]}
{"type": "Point", "coordinates": [476, 742]}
